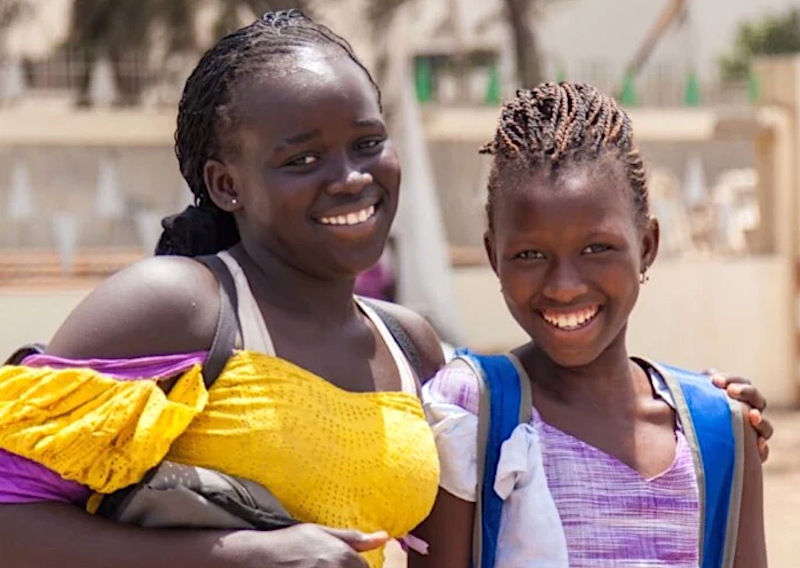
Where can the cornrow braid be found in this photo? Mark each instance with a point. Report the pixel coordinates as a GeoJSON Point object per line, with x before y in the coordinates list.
{"type": "Point", "coordinates": [207, 112]}
{"type": "Point", "coordinates": [546, 127]}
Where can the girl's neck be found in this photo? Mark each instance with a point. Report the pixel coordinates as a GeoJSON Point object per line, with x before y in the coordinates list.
{"type": "Point", "coordinates": [612, 381]}
{"type": "Point", "coordinates": [290, 289]}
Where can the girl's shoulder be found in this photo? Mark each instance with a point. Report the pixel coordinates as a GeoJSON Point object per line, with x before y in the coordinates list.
{"type": "Point", "coordinates": [158, 306]}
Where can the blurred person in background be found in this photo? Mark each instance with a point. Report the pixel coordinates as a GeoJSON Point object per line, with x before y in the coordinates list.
{"type": "Point", "coordinates": [380, 282]}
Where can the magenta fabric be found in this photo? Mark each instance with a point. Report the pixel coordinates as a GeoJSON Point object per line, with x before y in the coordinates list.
{"type": "Point", "coordinates": [377, 282]}
{"type": "Point", "coordinates": [158, 367]}
{"type": "Point", "coordinates": [24, 481]}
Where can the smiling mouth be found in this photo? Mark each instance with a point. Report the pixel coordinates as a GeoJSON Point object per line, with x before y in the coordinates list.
{"type": "Point", "coordinates": [349, 219]}
{"type": "Point", "coordinates": [570, 320]}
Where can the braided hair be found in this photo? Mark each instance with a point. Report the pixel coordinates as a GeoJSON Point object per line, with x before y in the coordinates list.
{"type": "Point", "coordinates": [207, 113]}
{"type": "Point", "coordinates": [559, 124]}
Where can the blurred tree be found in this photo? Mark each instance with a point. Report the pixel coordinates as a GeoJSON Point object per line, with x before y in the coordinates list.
{"type": "Point", "coordinates": [10, 10]}
{"type": "Point", "coordinates": [770, 35]}
{"type": "Point", "coordinates": [520, 18]}
{"type": "Point", "coordinates": [119, 30]}
{"type": "Point", "coordinates": [518, 15]}
{"type": "Point", "coordinates": [123, 31]}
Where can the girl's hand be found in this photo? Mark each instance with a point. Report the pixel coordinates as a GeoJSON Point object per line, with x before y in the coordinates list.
{"type": "Point", "coordinates": [310, 546]}
{"type": "Point", "coordinates": [743, 390]}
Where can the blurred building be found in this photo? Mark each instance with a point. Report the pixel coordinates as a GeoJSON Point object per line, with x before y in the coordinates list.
{"type": "Point", "coordinates": [590, 40]}
{"type": "Point", "coordinates": [94, 180]}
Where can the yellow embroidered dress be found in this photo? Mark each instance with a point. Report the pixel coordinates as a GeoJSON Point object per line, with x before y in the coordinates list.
{"type": "Point", "coordinates": [365, 461]}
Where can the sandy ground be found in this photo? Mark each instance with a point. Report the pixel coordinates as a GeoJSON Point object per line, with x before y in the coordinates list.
{"type": "Point", "coordinates": [781, 496]}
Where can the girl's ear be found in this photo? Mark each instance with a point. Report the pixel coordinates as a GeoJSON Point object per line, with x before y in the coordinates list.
{"type": "Point", "coordinates": [488, 244]}
{"type": "Point", "coordinates": [221, 186]}
{"type": "Point", "coordinates": [650, 239]}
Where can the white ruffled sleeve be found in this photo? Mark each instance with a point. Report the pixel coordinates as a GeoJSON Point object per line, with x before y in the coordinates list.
{"type": "Point", "coordinates": [454, 429]}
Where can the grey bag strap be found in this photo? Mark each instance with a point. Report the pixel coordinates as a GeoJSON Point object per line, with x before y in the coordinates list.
{"type": "Point", "coordinates": [484, 418]}
{"type": "Point", "coordinates": [23, 352]}
{"type": "Point", "coordinates": [400, 336]}
{"type": "Point", "coordinates": [227, 322]}
{"type": "Point", "coordinates": [526, 398]}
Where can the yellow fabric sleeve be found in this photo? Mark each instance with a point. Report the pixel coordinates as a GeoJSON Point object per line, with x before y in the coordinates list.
{"type": "Point", "coordinates": [102, 432]}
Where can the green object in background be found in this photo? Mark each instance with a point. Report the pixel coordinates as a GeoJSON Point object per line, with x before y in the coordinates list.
{"type": "Point", "coordinates": [422, 79]}
{"type": "Point", "coordinates": [628, 96]}
{"type": "Point", "coordinates": [753, 88]}
{"type": "Point", "coordinates": [691, 94]}
{"type": "Point", "coordinates": [561, 75]}
{"type": "Point", "coordinates": [493, 88]}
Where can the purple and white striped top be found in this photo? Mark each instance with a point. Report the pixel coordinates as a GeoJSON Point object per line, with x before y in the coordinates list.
{"type": "Point", "coordinates": [611, 515]}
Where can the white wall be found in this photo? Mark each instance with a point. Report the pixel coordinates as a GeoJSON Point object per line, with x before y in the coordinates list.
{"type": "Point", "coordinates": [28, 316]}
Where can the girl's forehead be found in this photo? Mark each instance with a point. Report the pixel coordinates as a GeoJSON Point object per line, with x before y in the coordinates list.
{"type": "Point", "coordinates": [307, 60]}
{"type": "Point", "coordinates": [308, 78]}
{"type": "Point", "coordinates": [591, 179]}
{"type": "Point", "coordinates": [586, 190]}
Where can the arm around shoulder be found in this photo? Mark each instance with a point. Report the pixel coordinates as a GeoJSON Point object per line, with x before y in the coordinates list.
{"type": "Point", "coordinates": [751, 549]}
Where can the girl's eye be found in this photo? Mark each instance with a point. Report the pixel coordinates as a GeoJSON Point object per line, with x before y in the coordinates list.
{"type": "Point", "coordinates": [306, 160]}
{"type": "Point", "coordinates": [530, 255]}
{"type": "Point", "coordinates": [595, 249]}
{"type": "Point", "coordinates": [369, 144]}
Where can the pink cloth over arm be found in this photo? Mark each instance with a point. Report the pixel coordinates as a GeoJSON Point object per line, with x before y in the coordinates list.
{"type": "Point", "coordinates": [24, 481]}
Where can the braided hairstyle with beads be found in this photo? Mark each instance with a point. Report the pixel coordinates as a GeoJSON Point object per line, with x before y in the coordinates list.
{"type": "Point", "coordinates": [207, 114]}
{"type": "Point", "coordinates": [560, 124]}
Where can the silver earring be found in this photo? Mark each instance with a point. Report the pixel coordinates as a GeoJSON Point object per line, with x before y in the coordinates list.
{"type": "Point", "coordinates": [234, 201]}
{"type": "Point", "coordinates": [644, 277]}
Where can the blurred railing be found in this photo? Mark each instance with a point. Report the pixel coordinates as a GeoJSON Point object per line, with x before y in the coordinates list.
{"type": "Point", "coordinates": [134, 79]}
{"type": "Point", "coordinates": [41, 266]}
{"type": "Point", "coordinates": [131, 79]}
{"type": "Point", "coordinates": [664, 85]}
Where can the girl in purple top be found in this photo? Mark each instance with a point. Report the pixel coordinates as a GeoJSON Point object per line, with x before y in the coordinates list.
{"type": "Point", "coordinates": [602, 475]}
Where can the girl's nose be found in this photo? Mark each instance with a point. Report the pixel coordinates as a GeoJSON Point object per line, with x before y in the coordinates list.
{"type": "Point", "coordinates": [564, 284]}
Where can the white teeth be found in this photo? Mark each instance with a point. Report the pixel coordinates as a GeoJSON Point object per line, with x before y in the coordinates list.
{"type": "Point", "coordinates": [570, 320]}
{"type": "Point", "coordinates": [350, 218]}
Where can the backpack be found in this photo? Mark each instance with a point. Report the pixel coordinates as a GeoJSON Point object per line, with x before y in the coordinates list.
{"type": "Point", "coordinates": [713, 425]}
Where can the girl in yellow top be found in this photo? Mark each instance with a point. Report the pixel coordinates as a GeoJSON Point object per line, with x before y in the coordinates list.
{"type": "Point", "coordinates": [281, 139]}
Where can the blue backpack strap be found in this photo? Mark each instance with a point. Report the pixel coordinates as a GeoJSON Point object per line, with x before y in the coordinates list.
{"type": "Point", "coordinates": [505, 402]}
{"type": "Point", "coordinates": [714, 427]}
